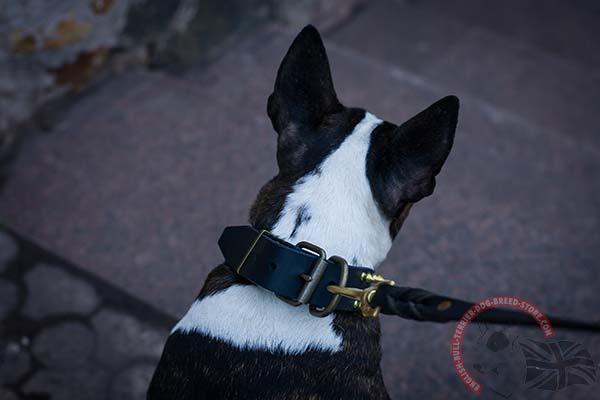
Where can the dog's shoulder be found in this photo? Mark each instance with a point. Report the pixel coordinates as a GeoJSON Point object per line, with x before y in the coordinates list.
{"type": "Point", "coordinates": [219, 279]}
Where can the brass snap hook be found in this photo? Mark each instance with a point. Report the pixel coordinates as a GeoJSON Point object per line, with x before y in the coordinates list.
{"type": "Point", "coordinates": [362, 297]}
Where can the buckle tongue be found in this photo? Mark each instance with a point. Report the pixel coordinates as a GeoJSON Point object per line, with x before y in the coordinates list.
{"type": "Point", "coordinates": [311, 281]}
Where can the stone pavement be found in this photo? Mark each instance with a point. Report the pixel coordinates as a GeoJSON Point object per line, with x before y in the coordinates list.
{"type": "Point", "coordinates": [67, 335]}
{"type": "Point", "coordinates": [137, 181]}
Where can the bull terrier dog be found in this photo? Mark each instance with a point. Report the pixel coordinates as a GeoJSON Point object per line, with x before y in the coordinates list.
{"type": "Point", "coordinates": [346, 182]}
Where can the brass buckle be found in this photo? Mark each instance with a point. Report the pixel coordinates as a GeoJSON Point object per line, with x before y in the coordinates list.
{"type": "Point", "coordinates": [311, 281]}
{"type": "Point", "coordinates": [362, 297]}
{"type": "Point", "coordinates": [317, 312]}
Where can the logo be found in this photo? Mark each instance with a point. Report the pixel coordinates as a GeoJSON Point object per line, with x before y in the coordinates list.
{"type": "Point", "coordinates": [503, 361]}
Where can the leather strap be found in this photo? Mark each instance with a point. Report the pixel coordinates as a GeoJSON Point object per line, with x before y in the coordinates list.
{"type": "Point", "coordinates": [422, 305]}
{"type": "Point", "coordinates": [279, 266]}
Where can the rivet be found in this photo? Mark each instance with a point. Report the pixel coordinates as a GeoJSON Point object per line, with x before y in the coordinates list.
{"type": "Point", "coordinates": [444, 305]}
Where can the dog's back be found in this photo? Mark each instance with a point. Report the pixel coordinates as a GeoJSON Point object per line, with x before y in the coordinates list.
{"type": "Point", "coordinates": [197, 366]}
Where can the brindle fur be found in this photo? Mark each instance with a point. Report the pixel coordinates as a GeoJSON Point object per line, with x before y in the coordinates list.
{"type": "Point", "coordinates": [198, 367]}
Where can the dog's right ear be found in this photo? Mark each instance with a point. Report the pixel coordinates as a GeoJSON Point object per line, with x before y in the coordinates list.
{"type": "Point", "coordinates": [404, 160]}
{"type": "Point", "coordinates": [303, 93]}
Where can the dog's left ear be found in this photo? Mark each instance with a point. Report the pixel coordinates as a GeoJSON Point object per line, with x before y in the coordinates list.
{"type": "Point", "coordinates": [303, 93]}
{"type": "Point", "coordinates": [404, 160]}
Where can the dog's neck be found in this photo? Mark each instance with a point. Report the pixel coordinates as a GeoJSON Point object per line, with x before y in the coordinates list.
{"type": "Point", "coordinates": [333, 207]}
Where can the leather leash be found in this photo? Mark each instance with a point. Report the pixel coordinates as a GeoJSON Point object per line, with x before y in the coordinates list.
{"type": "Point", "coordinates": [421, 305]}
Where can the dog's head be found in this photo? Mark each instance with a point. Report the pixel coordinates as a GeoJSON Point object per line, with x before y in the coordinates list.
{"type": "Point", "coordinates": [341, 166]}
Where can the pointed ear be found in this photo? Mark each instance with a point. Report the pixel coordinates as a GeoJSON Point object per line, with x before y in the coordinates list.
{"type": "Point", "coordinates": [303, 92]}
{"type": "Point", "coordinates": [404, 160]}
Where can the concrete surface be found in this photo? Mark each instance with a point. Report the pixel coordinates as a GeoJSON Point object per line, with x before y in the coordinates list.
{"type": "Point", "coordinates": [52, 50]}
{"type": "Point", "coordinates": [138, 180]}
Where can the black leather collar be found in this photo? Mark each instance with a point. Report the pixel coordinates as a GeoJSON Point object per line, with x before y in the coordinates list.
{"type": "Point", "coordinates": [296, 273]}
{"type": "Point", "coordinates": [299, 276]}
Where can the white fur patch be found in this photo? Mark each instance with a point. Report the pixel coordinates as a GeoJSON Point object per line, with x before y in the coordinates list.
{"type": "Point", "coordinates": [342, 218]}
{"type": "Point", "coordinates": [249, 317]}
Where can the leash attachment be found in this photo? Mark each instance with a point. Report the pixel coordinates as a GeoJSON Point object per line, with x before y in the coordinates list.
{"type": "Point", "coordinates": [363, 297]}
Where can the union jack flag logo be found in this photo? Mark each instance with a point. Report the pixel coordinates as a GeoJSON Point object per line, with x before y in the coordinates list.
{"type": "Point", "coordinates": [557, 364]}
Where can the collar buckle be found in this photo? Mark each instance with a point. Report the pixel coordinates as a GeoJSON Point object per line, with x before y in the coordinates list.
{"type": "Point", "coordinates": [311, 281]}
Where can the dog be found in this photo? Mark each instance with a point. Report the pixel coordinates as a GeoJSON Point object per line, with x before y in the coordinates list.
{"type": "Point", "coordinates": [346, 182]}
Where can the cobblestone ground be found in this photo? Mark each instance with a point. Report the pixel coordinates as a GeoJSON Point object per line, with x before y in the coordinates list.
{"type": "Point", "coordinates": [67, 335]}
